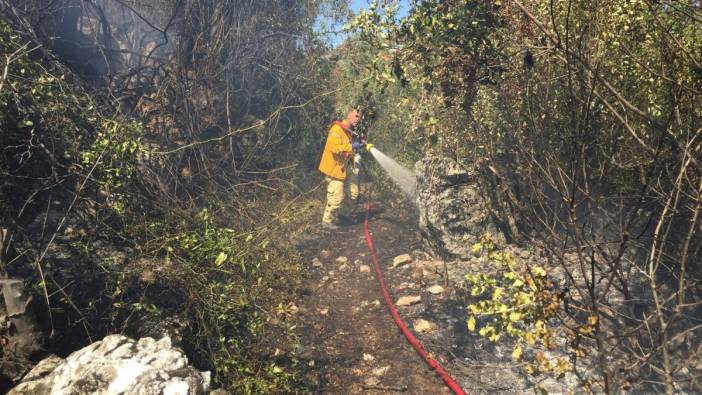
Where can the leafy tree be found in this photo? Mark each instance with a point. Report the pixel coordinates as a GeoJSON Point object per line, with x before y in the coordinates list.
{"type": "Point", "coordinates": [584, 121]}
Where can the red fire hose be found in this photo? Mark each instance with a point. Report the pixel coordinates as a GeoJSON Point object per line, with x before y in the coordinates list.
{"type": "Point", "coordinates": [450, 382]}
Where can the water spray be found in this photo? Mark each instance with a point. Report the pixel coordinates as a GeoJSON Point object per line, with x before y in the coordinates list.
{"type": "Point", "coordinates": [400, 175]}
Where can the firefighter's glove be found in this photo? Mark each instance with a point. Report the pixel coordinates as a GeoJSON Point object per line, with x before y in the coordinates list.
{"type": "Point", "coordinates": [368, 146]}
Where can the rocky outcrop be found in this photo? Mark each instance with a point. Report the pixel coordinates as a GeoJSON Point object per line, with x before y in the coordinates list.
{"type": "Point", "coordinates": [452, 214]}
{"type": "Point", "coordinates": [20, 336]}
{"type": "Point", "coordinates": [117, 365]}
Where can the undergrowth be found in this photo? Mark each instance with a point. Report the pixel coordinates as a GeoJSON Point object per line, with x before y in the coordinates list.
{"type": "Point", "coordinates": [106, 255]}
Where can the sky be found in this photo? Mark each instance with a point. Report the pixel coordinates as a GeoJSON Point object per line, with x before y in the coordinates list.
{"type": "Point", "coordinates": [358, 5]}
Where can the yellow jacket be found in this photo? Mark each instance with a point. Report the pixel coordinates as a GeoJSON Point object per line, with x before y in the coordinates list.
{"type": "Point", "coordinates": [337, 151]}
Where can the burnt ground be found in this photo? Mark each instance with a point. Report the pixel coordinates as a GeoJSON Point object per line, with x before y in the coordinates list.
{"type": "Point", "coordinates": [346, 340]}
{"type": "Point", "coordinates": [349, 343]}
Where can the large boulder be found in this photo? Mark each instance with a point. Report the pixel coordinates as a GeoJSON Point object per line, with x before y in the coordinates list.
{"type": "Point", "coordinates": [452, 213]}
{"type": "Point", "coordinates": [117, 365]}
{"type": "Point", "coordinates": [20, 336]}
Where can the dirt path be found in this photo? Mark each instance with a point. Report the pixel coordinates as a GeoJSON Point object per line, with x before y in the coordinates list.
{"type": "Point", "coordinates": [349, 342]}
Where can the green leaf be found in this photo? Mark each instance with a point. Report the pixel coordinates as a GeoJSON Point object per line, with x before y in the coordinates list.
{"type": "Point", "coordinates": [475, 248]}
{"type": "Point", "coordinates": [220, 259]}
{"type": "Point", "coordinates": [517, 352]}
{"type": "Point", "coordinates": [471, 324]}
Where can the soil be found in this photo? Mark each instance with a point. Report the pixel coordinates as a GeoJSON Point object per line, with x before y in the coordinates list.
{"type": "Point", "coordinates": [348, 340]}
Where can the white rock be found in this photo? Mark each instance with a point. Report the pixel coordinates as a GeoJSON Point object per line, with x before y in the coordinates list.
{"type": "Point", "coordinates": [429, 274]}
{"type": "Point", "coordinates": [116, 365]}
{"type": "Point", "coordinates": [316, 262]}
{"type": "Point", "coordinates": [408, 300]}
{"type": "Point", "coordinates": [401, 260]}
{"type": "Point", "coordinates": [435, 289]}
{"type": "Point", "coordinates": [368, 357]}
{"type": "Point", "coordinates": [423, 326]}
{"type": "Point", "coordinates": [323, 311]}
{"type": "Point", "coordinates": [324, 254]}
{"type": "Point", "coordinates": [292, 308]}
{"type": "Point", "coordinates": [380, 371]}
{"type": "Point", "coordinates": [342, 259]}
{"type": "Point", "coordinates": [364, 269]}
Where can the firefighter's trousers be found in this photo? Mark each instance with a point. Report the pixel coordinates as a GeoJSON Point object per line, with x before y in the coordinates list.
{"type": "Point", "coordinates": [337, 190]}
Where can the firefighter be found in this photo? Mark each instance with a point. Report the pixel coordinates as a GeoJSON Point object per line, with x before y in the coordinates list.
{"type": "Point", "coordinates": [338, 164]}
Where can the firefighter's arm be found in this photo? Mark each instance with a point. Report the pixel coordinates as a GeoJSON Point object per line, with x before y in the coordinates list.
{"type": "Point", "coordinates": [337, 142]}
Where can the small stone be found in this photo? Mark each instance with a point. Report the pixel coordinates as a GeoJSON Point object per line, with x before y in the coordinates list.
{"type": "Point", "coordinates": [364, 269]}
{"type": "Point", "coordinates": [316, 262]}
{"type": "Point", "coordinates": [292, 308]}
{"type": "Point", "coordinates": [371, 381]}
{"type": "Point", "coordinates": [435, 289]}
{"type": "Point", "coordinates": [325, 278]}
{"type": "Point", "coordinates": [148, 277]}
{"type": "Point", "coordinates": [423, 326]}
{"type": "Point", "coordinates": [342, 259]}
{"type": "Point", "coordinates": [343, 267]}
{"type": "Point", "coordinates": [380, 371]}
{"type": "Point", "coordinates": [323, 311]}
{"type": "Point", "coordinates": [368, 357]}
{"type": "Point", "coordinates": [324, 254]}
{"type": "Point", "coordinates": [525, 254]}
{"type": "Point", "coordinates": [119, 257]}
{"type": "Point", "coordinates": [310, 363]}
{"type": "Point", "coordinates": [408, 300]}
{"type": "Point", "coordinates": [401, 260]}
{"type": "Point", "coordinates": [278, 352]}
